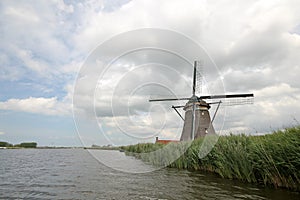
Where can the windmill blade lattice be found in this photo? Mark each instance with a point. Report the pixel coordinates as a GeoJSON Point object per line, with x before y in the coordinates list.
{"type": "Point", "coordinates": [237, 101]}
{"type": "Point", "coordinates": [199, 77]}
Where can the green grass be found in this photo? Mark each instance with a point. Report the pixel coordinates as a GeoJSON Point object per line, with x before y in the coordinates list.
{"type": "Point", "coordinates": [272, 159]}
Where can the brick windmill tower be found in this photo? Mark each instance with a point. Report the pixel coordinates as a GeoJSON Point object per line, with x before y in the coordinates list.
{"type": "Point", "coordinates": [197, 120]}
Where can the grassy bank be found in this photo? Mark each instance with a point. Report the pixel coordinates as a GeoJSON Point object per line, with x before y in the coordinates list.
{"type": "Point", "coordinates": [272, 159]}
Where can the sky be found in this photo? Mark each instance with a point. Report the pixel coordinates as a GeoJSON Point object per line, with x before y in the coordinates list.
{"type": "Point", "coordinates": [76, 73]}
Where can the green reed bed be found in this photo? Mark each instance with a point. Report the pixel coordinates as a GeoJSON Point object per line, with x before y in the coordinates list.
{"type": "Point", "coordinates": [272, 159]}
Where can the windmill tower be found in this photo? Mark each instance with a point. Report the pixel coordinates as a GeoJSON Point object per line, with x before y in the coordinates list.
{"type": "Point", "coordinates": [197, 120]}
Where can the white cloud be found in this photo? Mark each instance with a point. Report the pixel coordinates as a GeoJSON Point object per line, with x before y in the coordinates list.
{"type": "Point", "coordinates": [46, 106]}
{"type": "Point", "coordinates": [33, 64]}
{"type": "Point", "coordinates": [278, 91]}
{"type": "Point", "coordinates": [255, 44]}
{"type": "Point", "coordinates": [250, 42]}
{"type": "Point", "coordinates": [2, 133]}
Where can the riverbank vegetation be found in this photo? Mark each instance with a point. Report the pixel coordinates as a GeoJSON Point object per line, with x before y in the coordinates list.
{"type": "Point", "coordinates": [272, 159]}
{"type": "Point", "coordinates": [105, 147]}
{"type": "Point", "coordinates": [21, 145]}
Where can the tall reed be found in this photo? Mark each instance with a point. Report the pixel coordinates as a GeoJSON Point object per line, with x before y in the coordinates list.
{"type": "Point", "coordinates": [272, 159]}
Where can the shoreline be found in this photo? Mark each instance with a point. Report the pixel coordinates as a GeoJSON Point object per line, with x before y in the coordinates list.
{"type": "Point", "coordinates": [270, 160]}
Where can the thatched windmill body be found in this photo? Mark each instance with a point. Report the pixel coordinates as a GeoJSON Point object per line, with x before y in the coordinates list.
{"type": "Point", "coordinates": [197, 120]}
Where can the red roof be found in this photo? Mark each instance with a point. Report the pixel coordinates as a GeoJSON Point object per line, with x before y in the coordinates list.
{"type": "Point", "coordinates": [164, 141]}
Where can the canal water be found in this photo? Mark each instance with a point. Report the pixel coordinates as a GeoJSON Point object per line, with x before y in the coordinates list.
{"type": "Point", "coordinates": [76, 174]}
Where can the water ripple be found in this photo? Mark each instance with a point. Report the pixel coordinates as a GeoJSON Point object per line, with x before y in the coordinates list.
{"type": "Point", "coordinates": [74, 174]}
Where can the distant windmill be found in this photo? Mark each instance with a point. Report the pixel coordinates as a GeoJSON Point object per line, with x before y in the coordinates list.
{"type": "Point", "coordinates": [197, 121]}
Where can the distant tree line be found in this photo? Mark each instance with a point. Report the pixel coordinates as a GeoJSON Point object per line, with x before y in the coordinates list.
{"type": "Point", "coordinates": [5, 144]}
{"type": "Point", "coordinates": [22, 145]}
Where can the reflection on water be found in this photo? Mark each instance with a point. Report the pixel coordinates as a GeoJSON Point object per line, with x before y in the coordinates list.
{"type": "Point", "coordinates": [121, 162]}
{"type": "Point", "coordinates": [75, 174]}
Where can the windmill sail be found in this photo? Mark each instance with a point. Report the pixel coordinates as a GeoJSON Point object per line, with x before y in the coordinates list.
{"type": "Point", "coordinates": [169, 99]}
{"type": "Point", "coordinates": [226, 96]}
{"type": "Point", "coordinates": [194, 78]}
{"type": "Point", "coordinates": [199, 77]}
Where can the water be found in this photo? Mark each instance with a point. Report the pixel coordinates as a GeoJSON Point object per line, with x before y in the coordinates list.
{"type": "Point", "coordinates": [75, 174]}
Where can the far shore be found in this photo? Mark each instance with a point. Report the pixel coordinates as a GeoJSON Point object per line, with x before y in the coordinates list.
{"type": "Point", "coordinates": [49, 147]}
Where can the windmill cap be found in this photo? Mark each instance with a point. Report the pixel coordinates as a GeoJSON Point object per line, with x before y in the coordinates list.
{"type": "Point", "coordinates": [198, 102]}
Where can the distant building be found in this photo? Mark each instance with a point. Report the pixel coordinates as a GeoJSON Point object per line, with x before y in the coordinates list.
{"type": "Point", "coordinates": [157, 141]}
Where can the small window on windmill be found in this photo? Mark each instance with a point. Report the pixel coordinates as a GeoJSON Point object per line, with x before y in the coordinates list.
{"type": "Point", "coordinates": [202, 113]}
{"type": "Point", "coordinates": [206, 131]}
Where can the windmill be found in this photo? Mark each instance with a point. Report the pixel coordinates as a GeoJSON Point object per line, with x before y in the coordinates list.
{"type": "Point", "coordinates": [197, 120]}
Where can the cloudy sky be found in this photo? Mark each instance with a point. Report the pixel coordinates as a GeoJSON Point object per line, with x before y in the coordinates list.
{"type": "Point", "coordinates": [81, 72]}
